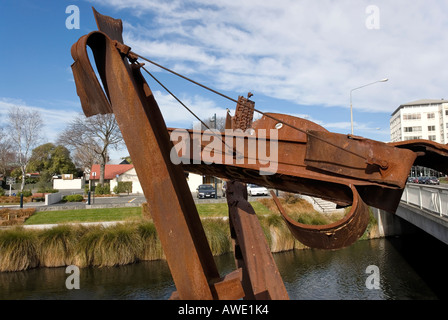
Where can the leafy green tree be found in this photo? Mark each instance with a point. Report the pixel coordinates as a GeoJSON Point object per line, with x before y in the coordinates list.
{"type": "Point", "coordinates": [49, 160]}
{"type": "Point", "coordinates": [52, 159]}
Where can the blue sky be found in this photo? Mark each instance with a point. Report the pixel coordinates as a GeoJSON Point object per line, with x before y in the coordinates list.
{"type": "Point", "coordinates": [300, 57]}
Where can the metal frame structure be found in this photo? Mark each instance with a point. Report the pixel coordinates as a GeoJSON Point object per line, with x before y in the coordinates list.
{"type": "Point", "coordinates": [346, 169]}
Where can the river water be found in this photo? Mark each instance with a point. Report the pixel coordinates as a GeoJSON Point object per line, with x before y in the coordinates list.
{"type": "Point", "coordinates": [406, 269]}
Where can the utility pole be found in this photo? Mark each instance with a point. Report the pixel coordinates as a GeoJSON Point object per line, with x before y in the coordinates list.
{"type": "Point", "coordinates": [216, 182]}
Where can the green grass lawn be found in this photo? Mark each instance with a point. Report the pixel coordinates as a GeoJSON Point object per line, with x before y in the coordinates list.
{"type": "Point", "coordinates": [85, 215]}
{"type": "Point", "coordinates": [118, 214]}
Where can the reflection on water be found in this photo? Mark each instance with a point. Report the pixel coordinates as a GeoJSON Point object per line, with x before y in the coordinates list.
{"type": "Point", "coordinates": [146, 280]}
{"type": "Point", "coordinates": [308, 274]}
{"type": "Point", "coordinates": [341, 275]}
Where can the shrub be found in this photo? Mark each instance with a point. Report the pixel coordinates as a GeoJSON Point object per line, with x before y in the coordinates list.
{"type": "Point", "coordinates": [26, 193]}
{"type": "Point", "coordinates": [2, 191]}
{"type": "Point", "coordinates": [102, 189]}
{"type": "Point", "coordinates": [73, 198]}
{"type": "Point", "coordinates": [87, 189]}
{"type": "Point", "coordinates": [290, 198]}
{"type": "Point", "coordinates": [123, 187]}
{"type": "Point", "coordinates": [9, 217]}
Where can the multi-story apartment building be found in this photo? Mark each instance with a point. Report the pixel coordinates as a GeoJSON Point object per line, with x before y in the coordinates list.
{"type": "Point", "coordinates": [422, 119]}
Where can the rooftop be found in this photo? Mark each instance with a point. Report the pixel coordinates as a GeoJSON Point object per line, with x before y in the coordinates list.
{"type": "Point", "coordinates": [421, 102]}
{"type": "Point", "coordinates": [110, 171]}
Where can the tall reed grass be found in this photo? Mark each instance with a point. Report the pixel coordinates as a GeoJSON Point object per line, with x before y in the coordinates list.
{"type": "Point", "coordinates": [106, 247]}
{"type": "Point", "coordinates": [218, 235]}
{"type": "Point", "coordinates": [132, 241]}
{"type": "Point", "coordinates": [152, 248]}
{"type": "Point", "coordinates": [18, 250]}
{"type": "Point", "coordinates": [56, 246]}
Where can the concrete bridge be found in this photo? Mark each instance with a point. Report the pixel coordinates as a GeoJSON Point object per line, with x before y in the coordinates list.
{"type": "Point", "coordinates": [423, 206]}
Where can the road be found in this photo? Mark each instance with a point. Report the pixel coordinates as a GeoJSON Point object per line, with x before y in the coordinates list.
{"type": "Point", "coordinates": [112, 201]}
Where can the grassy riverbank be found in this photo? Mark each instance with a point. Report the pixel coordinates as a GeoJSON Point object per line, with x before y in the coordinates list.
{"type": "Point", "coordinates": [135, 239]}
{"type": "Point", "coordinates": [129, 213]}
{"type": "Point", "coordinates": [85, 215]}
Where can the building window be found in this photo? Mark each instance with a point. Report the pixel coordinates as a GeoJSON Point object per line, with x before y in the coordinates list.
{"type": "Point", "coordinates": [413, 129]}
{"type": "Point", "coordinates": [431, 128]}
{"type": "Point", "coordinates": [431, 115]}
{"type": "Point", "coordinates": [432, 138]}
{"type": "Point", "coordinates": [412, 138]}
{"type": "Point", "coordinates": [446, 112]}
{"type": "Point", "coordinates": [412, 116]}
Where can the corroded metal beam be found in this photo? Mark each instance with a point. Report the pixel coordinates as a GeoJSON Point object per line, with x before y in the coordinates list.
{"type": "Point", "coordinates": [169, 200]}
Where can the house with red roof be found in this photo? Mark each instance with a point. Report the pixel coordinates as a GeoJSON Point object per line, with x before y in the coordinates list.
{"type": "Point", "coordinates": [114, 173]}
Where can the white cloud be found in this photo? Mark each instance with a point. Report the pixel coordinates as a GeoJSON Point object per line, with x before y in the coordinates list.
{"type": "Point", "coordinates": [308, 52]}
{"type": "Point", "coordinates": [55, 120]}
{"type": "Point", "coordinates": [176, 115]}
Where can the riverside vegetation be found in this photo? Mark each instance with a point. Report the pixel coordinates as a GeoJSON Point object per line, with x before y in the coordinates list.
{"type": "Point", "coordinates": [135, 238]}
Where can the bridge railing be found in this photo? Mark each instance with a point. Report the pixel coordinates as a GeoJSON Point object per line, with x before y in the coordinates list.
{"type": "Point", "coordinates": [432, 198]}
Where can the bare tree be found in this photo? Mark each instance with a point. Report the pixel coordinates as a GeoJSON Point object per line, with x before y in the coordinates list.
{"type": "Point", "coordinates": [84, 158]}
{"type": "Point", "coordinates": [91, 138]}
{"type": "Point", "coordinates": [25, 134]}
{"type": "Point", "coordinates": [220, 124]}
{"type": "Point", "coordinates": [6, 154]}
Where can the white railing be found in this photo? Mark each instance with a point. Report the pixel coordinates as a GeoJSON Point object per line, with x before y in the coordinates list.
{"type": "Point", "coordinates": [432, 198]}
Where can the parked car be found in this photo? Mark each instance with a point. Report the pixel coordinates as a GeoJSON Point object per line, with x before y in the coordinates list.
{"type": "Point", "coordinates": [254, 190]}
{"type": "Point", "coordinates": [413, 180]}
{"type": "Point", "coordinates": [206, 191]}
{"type": "Point", "coordinates": [432, 180]}
{"type": "Point", "coordinates": [422, 180]}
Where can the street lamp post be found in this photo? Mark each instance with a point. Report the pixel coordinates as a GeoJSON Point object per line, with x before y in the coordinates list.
{"type": "Point", "coordinates": [351, 104]}
{"type": "Point", "coordinates": [214, 178]}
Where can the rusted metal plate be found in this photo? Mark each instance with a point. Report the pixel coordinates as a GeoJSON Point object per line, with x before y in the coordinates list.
{"type": "Point", "coordinates": [226, 288]}
{"type": "Point", "coordinates": [229, 287]}
{"type": "Point", "coordinates": [88, 88]}
{"type": "Point", "coordinates": [261, 278]}
{"type": "Point", "coordinates": [430, 154]}
{"type": "Point", "coordinates": [287, 133]}
{"type": "Point", "coordinates": [294, 171]}
{"type": "Point", "coordinates": [337, 235]}
{"type": "Point", "coordinates": [244, 114]}
{"type": "Point", "coordinates": [110, 26]}
{"type": "Point", "coordinates": [359, 158]}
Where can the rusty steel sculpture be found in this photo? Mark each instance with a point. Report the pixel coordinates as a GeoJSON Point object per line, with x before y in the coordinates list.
{"type": "Point", "coordinates": [346, 169]}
